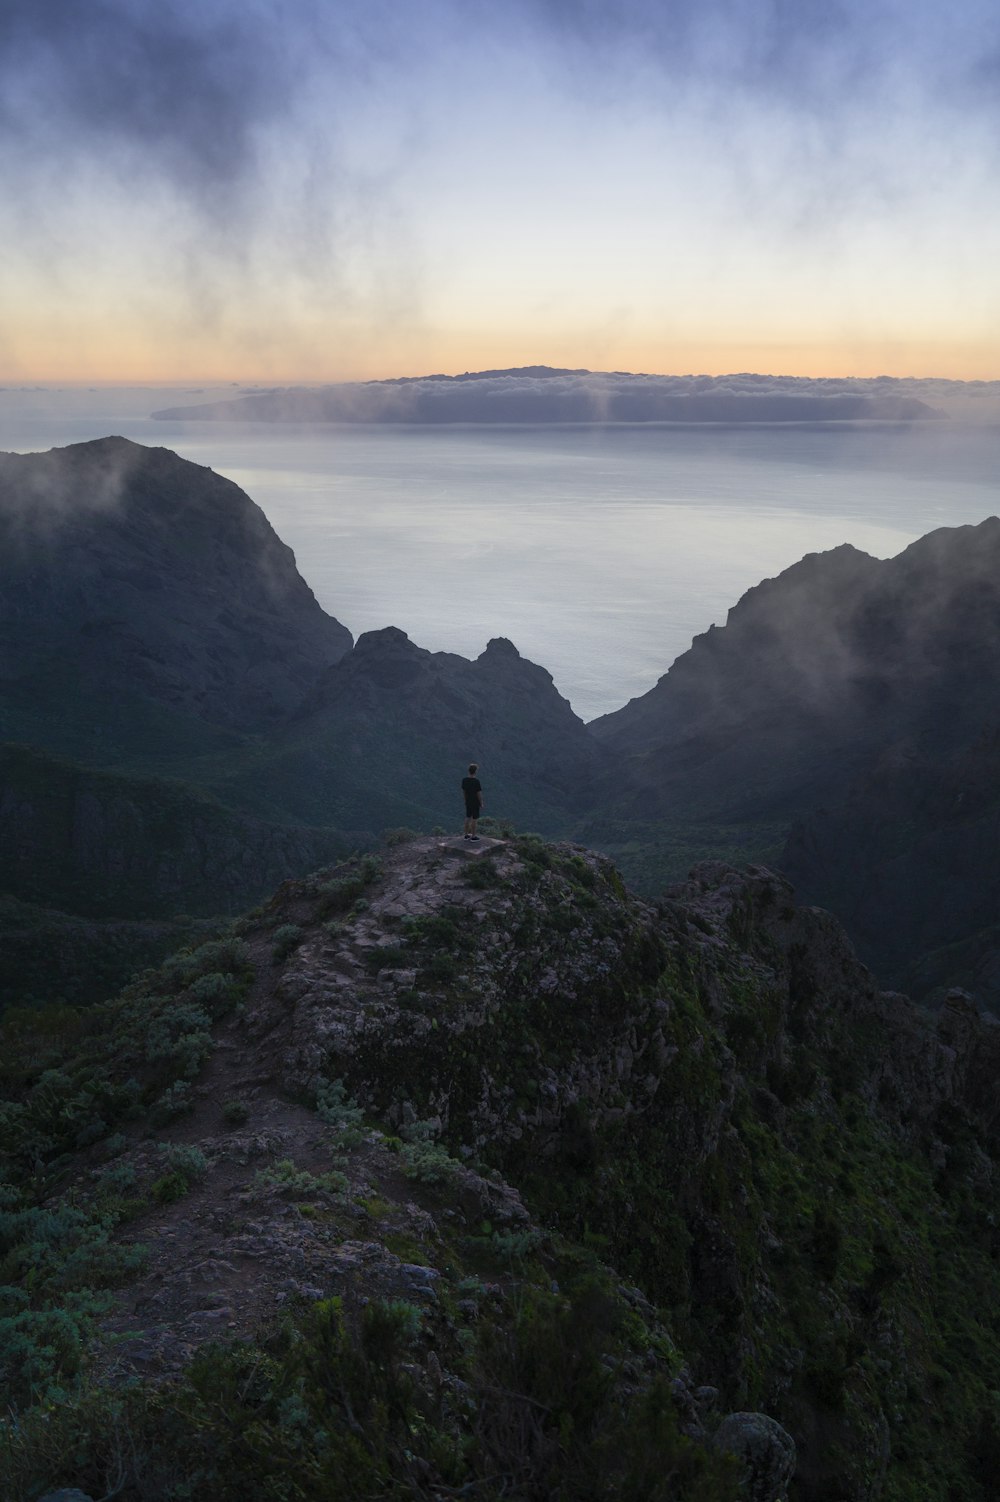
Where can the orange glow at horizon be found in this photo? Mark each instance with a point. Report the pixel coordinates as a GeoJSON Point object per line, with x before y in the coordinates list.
{"type": "Point", "coordinates": [135, 361]}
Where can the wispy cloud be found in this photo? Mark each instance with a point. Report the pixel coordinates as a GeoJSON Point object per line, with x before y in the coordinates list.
{"type": "Point", "coordinates": [292, 171]}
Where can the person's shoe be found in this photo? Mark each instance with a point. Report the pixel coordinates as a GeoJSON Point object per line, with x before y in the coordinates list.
{"type": "Point", "coordinates": [466, 837]}
{"type": "Point", "coordinates": [474, 839]}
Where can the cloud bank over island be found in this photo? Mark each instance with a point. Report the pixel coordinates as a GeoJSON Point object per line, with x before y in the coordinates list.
{"type": "Point", "coordinates": [543, 394]}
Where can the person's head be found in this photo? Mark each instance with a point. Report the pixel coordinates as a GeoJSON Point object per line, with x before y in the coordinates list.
{"type": "Point", "coordinates": [473, 768]}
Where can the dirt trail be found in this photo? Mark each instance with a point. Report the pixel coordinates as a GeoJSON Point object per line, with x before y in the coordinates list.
{"type": "Point", "coordinates": [226, 1258]}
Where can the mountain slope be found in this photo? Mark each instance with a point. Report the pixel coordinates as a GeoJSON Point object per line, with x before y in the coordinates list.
{"type": "Point", "coordinates": [145, 597]}
{"type": "Point", "coordinates": [109, 846]}
{"type": "Point", "coordinates": [387, 734]}
{"type": "Point", "coordinates": [573, 1108]}
{"type": "Point", "coordinates": [908, 861]}
{"type": "Point", "coordinates": [817, 672]}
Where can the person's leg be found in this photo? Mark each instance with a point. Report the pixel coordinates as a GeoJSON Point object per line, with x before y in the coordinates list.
{"type": "Point", "coordinates": [472, 829]}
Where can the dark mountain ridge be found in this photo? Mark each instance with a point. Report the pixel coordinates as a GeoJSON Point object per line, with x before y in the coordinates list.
{"type": "Point", "coordinates": [392, 726]}
{"type": "Point", "coordinates": [129, 568]}
{"type": "Point", "coordinates": [152, 623]}
{"type": "Point", "coordinates": [908, 861]}
{"type": "Point", "coordinates": [105, 845]}
{"type": "Point", "coordinates": [819, 671]}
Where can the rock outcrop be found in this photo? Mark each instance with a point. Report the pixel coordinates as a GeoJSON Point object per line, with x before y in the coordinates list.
{"type": "Point", "coordinates": [676, 1170]}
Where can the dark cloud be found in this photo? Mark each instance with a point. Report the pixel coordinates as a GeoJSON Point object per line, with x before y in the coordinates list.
{"type": "Point", "coordinates": [179, 90]}
{"type": "Point", "coordinates": [185, 91]}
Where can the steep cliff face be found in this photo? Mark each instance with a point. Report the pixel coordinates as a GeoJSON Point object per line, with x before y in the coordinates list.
{"type": "Point", "coordinates": [818, 672]}
{"type": "Point", "coordinates": [130, 574]}
{"type": "Point", "coordinates": [491, 1084]}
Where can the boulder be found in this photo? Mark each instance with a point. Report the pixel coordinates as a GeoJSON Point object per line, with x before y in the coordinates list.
{"type": "Point", "coordinates": [766, 1451]}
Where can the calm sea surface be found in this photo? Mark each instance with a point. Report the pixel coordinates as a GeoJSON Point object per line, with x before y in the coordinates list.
{"type": "Point", "coordinates": [600, 552]}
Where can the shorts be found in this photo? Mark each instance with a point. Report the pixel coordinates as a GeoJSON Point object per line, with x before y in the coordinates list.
{"type": "Point", "coordinates": [472, 810]}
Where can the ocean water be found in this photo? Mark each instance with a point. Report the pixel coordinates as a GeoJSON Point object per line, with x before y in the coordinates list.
{"type": "Point", "coordinates": [599, 551]}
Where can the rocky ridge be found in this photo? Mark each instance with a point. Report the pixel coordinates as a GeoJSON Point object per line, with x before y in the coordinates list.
{"type": "Point", "coordinates": [460, 1078]}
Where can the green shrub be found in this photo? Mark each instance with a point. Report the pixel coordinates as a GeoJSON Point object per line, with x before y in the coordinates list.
{"type": "Point", "coordinates": [169, 1188]}
{"type": "Point", "coordinates": [286, 938]}
{"type": "Point", "coordinates": [335, 1406]}
{"type": "Point", "coordinates": [428, 1162]}
{"type": "Point", "coordinates": [284, 1176]}
{"type": "Point", "coordinates": [119, 1177]}
{"type": "Point", "coordinates": [235, 1112]}
{"type": "Point", "coordinates": [181, 1034]}
{"type": "Point", "coordinates": [175, 1101]}
{"type": "Point", "coordinates": [343, 893]}
{"type": "Point", "coordinates": [338, 1110]}
{"type": "Point", "coordinates": [184, 1159]}
{"type": "Point", "coordinates": [41, 1349]}
{"type": "Point", "coordinates": [228, 957]}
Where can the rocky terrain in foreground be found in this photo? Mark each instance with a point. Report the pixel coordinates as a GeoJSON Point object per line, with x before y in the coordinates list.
{"type": "Point", "coordinates": [462, 1171]}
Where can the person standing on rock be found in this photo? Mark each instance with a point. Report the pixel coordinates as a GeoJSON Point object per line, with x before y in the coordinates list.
{"type": "Point", "coordinates": [472, 792]}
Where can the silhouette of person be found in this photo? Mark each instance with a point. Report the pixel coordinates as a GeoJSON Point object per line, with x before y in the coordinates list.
{"type": "Point", "coordinates": [472, 791]}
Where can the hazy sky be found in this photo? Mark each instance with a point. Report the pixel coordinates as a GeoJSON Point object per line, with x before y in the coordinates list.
{"type": "Point", "coordinates": [306, 190]}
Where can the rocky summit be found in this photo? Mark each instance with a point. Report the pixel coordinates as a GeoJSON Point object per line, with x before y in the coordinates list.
{"type": "Point", "coordinates": [458, 1170]}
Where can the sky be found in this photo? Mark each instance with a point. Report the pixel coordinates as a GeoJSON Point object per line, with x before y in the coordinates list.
{"type": "Point", "coordinates": [303, 191]}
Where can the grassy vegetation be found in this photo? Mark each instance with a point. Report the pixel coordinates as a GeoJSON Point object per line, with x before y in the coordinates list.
{"type": "Point", "coordinates": [346, 1403]}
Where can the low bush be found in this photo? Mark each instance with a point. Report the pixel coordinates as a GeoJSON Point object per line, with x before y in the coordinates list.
{"type": "Point", "coordinates": [285, 939]}
{"type": "Point", "coordinates": [285, 1177]}
{"type": "Point", "coordinates": [340, 1112]}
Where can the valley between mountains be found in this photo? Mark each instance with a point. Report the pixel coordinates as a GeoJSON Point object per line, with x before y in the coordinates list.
{"type": "Point", "coordinates": [340, 1158]}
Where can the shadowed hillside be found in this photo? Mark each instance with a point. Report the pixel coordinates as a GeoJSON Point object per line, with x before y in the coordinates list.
{"type": "Point", "coordinates": [819, 670]}
{"type": "Point", "coordinates": [465, 1169]}
{"type": "Point", "coordinates": [385, 737]}
{"type": "Point", "coordinates": [145, 599]}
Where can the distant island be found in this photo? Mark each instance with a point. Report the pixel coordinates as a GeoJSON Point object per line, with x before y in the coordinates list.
{"type": "Point", "coordinates": [544, 394]}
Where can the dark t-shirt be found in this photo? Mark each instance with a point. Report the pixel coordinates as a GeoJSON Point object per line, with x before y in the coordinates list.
{"type": "Point", "coordinates": [471, 787]}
